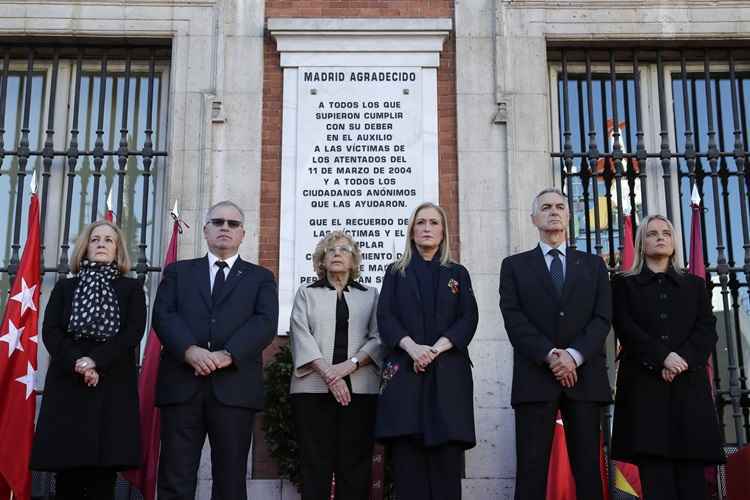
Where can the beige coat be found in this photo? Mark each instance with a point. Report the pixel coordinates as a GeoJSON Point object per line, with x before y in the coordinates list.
{"type": "Point", "coordinates": [312, 333]}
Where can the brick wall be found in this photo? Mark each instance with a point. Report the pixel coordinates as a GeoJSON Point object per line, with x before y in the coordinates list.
{"type": "Point", "coordinates": [270, 199]}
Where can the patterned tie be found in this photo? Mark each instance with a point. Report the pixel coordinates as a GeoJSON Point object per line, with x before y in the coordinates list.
{"type": "Point", "coordinates": [556, 270]}
{"type": "Point", "coordinates": [219, 280]}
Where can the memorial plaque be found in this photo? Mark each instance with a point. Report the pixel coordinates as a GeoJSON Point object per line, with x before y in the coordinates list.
{"type": "Point", "coordinates": [360, 162]}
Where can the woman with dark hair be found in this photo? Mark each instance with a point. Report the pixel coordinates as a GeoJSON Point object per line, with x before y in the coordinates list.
{"type": "Point", "coordinates": [427, 315]}
{"type": "Point", "coordinates": [665, 420]}
{"type": "Point", "coordinates": [88, 426]}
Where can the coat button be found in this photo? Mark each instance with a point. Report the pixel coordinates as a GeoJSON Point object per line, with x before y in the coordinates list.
{"type": "Point", "coordinates": [664, 337]}
{"type": "Point", "coordinates": [213, 320]}
{"type": "Point", "coordinates": [562, 313]}
{"type": "Point", "coordinates": [662, 296]}
{"type": "Point", "coordinates": [663, 316]}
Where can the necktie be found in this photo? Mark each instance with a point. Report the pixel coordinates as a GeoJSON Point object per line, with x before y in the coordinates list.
{"type": "Point", "coordinates": [219, 279]}
{"type": "Point", "coordinates": [556, 270]}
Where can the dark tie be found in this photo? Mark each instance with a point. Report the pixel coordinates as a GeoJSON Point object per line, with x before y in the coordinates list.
{"type": "Point", "coordinates": [556, 270]}
{"type": "Point", "coordinates": [219, 279]}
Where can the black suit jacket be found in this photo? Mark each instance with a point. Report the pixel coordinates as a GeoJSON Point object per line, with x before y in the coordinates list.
{"type": "Point", "coordinates": [243, 321]}
{"type": "Point", "coordinates": [538, 319]}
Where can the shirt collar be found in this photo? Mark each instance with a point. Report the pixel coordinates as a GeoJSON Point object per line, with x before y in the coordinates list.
{"type": "Point", "coordinates": [212, 259]}
{"type": "Point", "coordinates": [546, 248]}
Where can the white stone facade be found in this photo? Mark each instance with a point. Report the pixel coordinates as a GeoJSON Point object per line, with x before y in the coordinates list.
{"type": "Point", "coordinates": [505, 135]}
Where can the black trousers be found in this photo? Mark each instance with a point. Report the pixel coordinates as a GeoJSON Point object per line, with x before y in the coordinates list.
{"type": "Point", "coordinates": [85, 484]}
{"type": "Point", "coordinates": [666, 479]}
{"type": "Point", "coordinates": [426, 473]}
{"type": "Point", "coordinates": [183, 431]}
{"type": "Point", "coordinates": [335, 439]}
{"type": "Point", "coordinates": [535, 425]}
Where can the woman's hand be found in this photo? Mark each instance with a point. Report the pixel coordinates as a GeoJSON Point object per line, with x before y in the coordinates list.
{"type": "Point", "coordinates": [340, 392]}
{"type": "Point", "coordinates": [83, 364]}
{"type": "Point", "coordinates": [341, 370]}
{"type": "Point", "coordinates": [422, 355]}
{"type": "Point", "coordinates": [675, 363]}
{"type": "Point", "coordinates": [91, 377]}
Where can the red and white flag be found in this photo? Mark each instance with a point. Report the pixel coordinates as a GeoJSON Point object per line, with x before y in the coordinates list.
{"type": "Point", "coordinates": [18, 366]}
{"type": "Point", "coordinates": [144, 479]}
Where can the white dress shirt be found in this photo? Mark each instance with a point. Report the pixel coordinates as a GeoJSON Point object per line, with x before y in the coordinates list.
{"type": "Point", "coordinates": [213, 269]}
{"type": "Point", "coordinates": [577, 356]}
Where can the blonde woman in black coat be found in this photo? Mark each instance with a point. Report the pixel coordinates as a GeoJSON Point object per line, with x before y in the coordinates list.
{"type": "Point", "coordinates": [88, 426]}
{"type": "Point", "coordinates": [665, 421]}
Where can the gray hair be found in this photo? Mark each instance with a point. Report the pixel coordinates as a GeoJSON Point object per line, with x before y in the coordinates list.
{"type": "Point", "coordinates": [535, 203]}
{"type": "Point", "coordinates": [225, 203]}
{"type": "Point", "coordinates": [329, 241]}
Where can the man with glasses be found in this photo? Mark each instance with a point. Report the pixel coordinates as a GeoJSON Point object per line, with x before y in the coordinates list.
{"type": "Point", "coordinates": [214, 315]}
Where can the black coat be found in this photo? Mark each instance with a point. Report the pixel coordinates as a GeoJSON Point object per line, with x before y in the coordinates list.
{"type": "Point", "coordinates": [243, 321]}
{"type": "Point", "coordinates": [81, 426]}
{"type": "Point", "coordinates": [537, 319]}
{"type": "Point", "coordinates": [656, 314]}
{"type": "Point", "coordinates": [437, 405]}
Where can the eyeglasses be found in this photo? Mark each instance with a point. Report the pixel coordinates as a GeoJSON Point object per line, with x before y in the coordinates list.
{"type": "Point", "coordinates": [339, 248]}
{"type": "Point", "coordinates": [234, 224]}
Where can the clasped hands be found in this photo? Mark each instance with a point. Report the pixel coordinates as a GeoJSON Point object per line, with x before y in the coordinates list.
{"type": "Point", "coordinates": [86, 367]}
{"type": "Point", "coordinates": [422, 354]}
{"type": "Point", "coordinates": [563, 367]}
{"type": "Point", "coordinates": [334, 376]}
{"type": "Point", "coordinates": [205, 362]}
{"type": "Point", "coordinates": [674, 364]}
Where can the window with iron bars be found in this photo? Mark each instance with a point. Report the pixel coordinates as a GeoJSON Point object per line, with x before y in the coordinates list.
{"type": "Point", "coordinates": [634, 130]}
{"type": "Point", "coordinates": [90, 121]}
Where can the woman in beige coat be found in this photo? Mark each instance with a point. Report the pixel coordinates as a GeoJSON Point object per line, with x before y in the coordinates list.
{"type": "Point", "coordinates": [336, 351]}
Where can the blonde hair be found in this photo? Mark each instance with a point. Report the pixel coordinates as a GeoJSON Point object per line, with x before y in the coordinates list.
{"type": "Point", "coordinates": [444, 249]}
{"type": "Point", "coordinates": [639, 252]}
{"type": "Point", "coordinates": [81, 247]}
{"type": "Point", "coordinates": [328, 241]}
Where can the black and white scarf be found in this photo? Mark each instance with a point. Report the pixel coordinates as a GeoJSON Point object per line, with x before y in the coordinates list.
{"type": "Point", "coordinates": [96, 313]}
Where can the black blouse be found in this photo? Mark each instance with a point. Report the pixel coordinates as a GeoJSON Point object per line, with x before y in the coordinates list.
{"type": "Point", "coordinates": [341, 340]}
{"type": "Point", "coordinates": [428, 275]}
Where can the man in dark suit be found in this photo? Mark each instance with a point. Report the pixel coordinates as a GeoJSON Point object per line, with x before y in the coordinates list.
{"type": "Point", "coordinates": [557, 306]}
{"type": "Point", "coordinates": [214, 315]}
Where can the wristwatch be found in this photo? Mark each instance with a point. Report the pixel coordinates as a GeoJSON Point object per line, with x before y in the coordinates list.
{"type": "Point", "coordinates": [354, 360]}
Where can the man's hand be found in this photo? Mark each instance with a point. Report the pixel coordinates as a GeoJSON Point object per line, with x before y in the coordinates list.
{"type": "Point", "coordinates": [561, 363]}
{"type": "Point", "coordinates": [668, 375]}
{"type": "Point", "coordinates": [675, 363]}
{"type": "Point", "coordinates": [84, 364]}
{"type": "Point", "coordinates": [221, 358]}
{"type": "Point", "coordinates": [91, 377]}
{"type": "Point", "coordinates": [340, 391]}
{"type": "Point", "coordinates": [569, 380]}
{"type": "Point", "coordinates": [202, 360]}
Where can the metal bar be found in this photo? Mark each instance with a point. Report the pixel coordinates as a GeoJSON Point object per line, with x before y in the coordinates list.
{"type": "Point", "coordinates": [593, 154]}
{"type": "Point", "coordinates": [141, 267]}
{"type": "Point", "coordinates": [23, 159]}
{"type": "Point", "coordinates": [3, 95]}
{"type": "Point", "coordinates": [99, 142]}
{"type": "Point", "coordinates": [122, 152]}
{"type": "Point", "coordinates": [739, 158]}
{"type": "Point", "coordinates": [616, 147]}
{"type": "Point", "coordinates": [584, 170]}
{"type": "Point", "coordinates": [72, 155]}
{"type": "Point", "coordinates": [665, 153]}
{"type": "Point", "coordinates": [48, 151]}
{"type": "Point", "coordinates": [568, 147]}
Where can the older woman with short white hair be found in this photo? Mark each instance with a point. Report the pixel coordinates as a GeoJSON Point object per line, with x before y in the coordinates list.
{"type": "Point", "coordinates": [336, 351]}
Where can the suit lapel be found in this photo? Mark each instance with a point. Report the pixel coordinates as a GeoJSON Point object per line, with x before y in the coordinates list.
{"type": "Point", "coordinates": [238, 271]}
{"type": "Point", "coordinates": [572, 272]}
{"type": "Point", "coordinates": [204, 280]}
{"type": "Point", "coordinates": [539, 266]}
